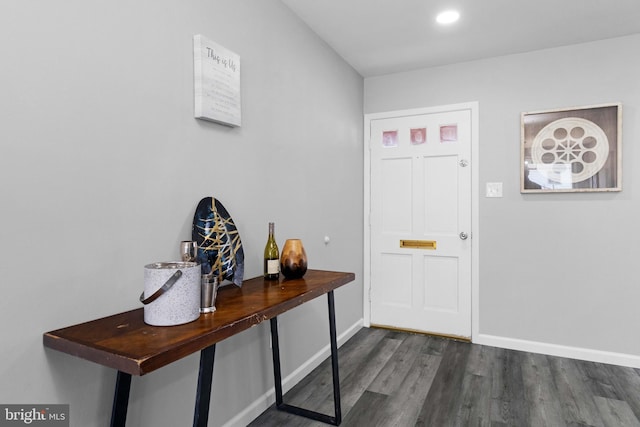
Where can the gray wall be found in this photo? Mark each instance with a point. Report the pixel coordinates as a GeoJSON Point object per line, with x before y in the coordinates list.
{"type": "Point", "coordinates": [103, 164]}
{"type": "Point", "coordinates": [556, 269]}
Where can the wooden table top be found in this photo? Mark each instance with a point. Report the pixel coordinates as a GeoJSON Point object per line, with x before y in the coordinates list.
{"type": "Point", "coordinates": [124, 342]}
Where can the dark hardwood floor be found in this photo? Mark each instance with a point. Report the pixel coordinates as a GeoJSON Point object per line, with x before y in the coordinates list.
{"type": "Point", "coordinates": [391, 378]}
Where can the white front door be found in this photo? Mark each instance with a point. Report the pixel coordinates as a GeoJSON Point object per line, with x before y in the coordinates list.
{"type": "Point", "coordinates": [420, 222]}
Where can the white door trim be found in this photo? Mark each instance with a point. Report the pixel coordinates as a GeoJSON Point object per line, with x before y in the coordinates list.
{"type": "Point", "coordinates": [475, 185]}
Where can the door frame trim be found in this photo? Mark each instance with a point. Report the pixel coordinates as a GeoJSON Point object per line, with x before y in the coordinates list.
{"type": "Point", "coordinates": [473, 107]}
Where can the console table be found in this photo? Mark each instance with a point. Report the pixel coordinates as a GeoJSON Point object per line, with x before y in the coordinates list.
{"type": "Point", "coordinates": [125, 343]}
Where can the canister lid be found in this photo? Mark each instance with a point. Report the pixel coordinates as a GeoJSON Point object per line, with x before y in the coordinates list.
{"type": "Point", "coordinates": [171, 265]}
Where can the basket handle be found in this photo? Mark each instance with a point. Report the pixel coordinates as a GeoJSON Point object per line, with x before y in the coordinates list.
{"type": "Point", "coordinates": [167, 285]}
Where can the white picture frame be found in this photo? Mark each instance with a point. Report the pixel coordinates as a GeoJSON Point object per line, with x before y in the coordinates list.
{"type": "Point", "coordinates": [216, 83]}
{"type": "Point", "coordinates": [572, 150]}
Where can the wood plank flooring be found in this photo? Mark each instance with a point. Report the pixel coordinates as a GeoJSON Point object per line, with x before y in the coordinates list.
{"type": "Point", "coordinates": [391, 378]}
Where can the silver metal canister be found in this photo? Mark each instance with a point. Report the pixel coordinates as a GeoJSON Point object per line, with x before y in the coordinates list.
{"type": "Point", "coordinates": [171, 293]}
{"type": "Point", "coordinates": [209, 291]}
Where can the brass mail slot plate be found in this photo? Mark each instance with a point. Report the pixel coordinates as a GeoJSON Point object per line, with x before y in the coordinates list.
{"type": "Point", "coordinates": [418, 244]}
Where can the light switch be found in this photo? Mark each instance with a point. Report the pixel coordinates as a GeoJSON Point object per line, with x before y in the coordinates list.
{"type": "Point", "coordinates": [494, 189]}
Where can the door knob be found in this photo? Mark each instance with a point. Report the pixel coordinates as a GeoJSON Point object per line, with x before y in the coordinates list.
{"type": "Point", "coordinates": [463, 235]}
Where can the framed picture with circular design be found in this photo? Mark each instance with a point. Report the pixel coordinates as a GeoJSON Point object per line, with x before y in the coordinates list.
{"type": "Point", "coordinates": [572, 150]}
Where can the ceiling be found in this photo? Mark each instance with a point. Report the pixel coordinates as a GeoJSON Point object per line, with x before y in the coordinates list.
{"type": "Point", "coordinates": [387, 36]}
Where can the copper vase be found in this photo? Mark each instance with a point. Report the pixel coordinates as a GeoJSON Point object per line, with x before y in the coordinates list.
{"type": "Point", "coordinates": [293, 261]}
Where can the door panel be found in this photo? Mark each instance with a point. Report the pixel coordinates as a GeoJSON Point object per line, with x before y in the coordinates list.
{"type": "Point", "coordinates": [440, 284]}
{"type": "Point", "coordinates": [441, 184]}
{"type": "Point", "coordinates": [420, 187]}
{"type": "Point", "coordinates": [396, 269]}
{"type": "Point", "coordinates": [396, 205]}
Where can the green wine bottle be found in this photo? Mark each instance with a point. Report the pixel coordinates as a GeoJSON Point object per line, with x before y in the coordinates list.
{"type": "Point", "coordinates": [271, 256]}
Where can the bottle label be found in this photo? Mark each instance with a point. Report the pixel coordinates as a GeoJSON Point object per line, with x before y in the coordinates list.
{"type": "Point", "coordinates": [273, 266]}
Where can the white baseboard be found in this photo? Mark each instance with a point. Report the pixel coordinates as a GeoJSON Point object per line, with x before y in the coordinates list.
{"type": "Point", "coordinates": [587, 354]}
{"type": "Point", "coordinates": [267, 399]}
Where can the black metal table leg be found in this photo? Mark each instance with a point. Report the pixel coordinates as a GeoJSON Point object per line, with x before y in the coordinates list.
{"type": "Point", "coordinates": [275, 351]}
{"type": "Point", "coordinates": [203, 393]}
{"type": "Point", "coordinates": [121, 400]}
{"type": "Point", "coordinates": [277, 374]}
{"type": "Point", "coordinates": [334, 359]}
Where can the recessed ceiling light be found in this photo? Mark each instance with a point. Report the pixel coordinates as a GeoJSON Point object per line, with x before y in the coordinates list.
{"type": "Point", "coordinates": [448, 17]}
